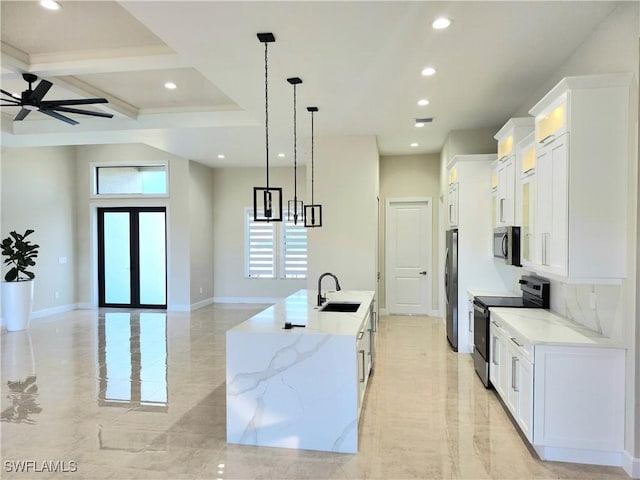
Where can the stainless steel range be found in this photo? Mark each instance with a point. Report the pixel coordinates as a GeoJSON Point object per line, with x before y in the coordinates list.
{"type": "Point", "coordinates": [535, 294]}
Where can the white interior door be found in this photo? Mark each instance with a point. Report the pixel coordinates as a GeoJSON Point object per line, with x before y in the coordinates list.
{"type": "Point", "coordinates": [408, 256]}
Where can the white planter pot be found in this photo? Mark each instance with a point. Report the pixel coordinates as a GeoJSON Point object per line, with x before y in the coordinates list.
{"type": "Point", "coordinates": [17, 302]}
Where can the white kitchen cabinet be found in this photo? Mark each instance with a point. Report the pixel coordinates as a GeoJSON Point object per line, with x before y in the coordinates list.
{"type": "Point", "coordinates": [453, 205]}
{"type": "Point", "coordinates": [552, 222]}
{"type": "Point", "coordinates": [508, 137]}
{"type": "Point", "coordinates": [512, 376]}
{"type": "Point", "coordinates": [470, 328]}
{"type": "Point", "coordinates": [494, 194]}
{"type": "Point", "coordinates": [476, 266]}
{"type": "Point", "coordinates": [582, 134]}
{"type": "Point", "coordinates": [365, 352]}
{"type": "Point", "coordinates": [498, 373]}
{"type": "Point", "coordinates": [526, 203]}
{"type": "Point", "coordinates": [562, 383]}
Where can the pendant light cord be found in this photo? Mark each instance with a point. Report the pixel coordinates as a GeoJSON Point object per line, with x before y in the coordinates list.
{"type": "Point", "coordinates": [295, 154]}
{"type": "Point", "coordinates": [312, 172]}
{"type": "Point", "coordinates": [266, 107]}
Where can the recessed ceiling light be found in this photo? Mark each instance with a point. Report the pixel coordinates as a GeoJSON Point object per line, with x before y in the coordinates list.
{"type": "Point", "coordinates": [423, 102]}
{"type": "Point", "coordinates": [50, 4]}
{"type": "Point", "coordinates": [281, 155]}
{"type": "Point", "coordinates": [414, 144]}
{"type": "Point", "coordinates": [419, 124]}
{"type": "Point", "coordinates": [170, 86]}
{"type": "Point", "coordinates": [428, 71]}
{"type": "Point", "coordinates": [220, 156]}
{"type": "Point", "coordinates": [441, 23]}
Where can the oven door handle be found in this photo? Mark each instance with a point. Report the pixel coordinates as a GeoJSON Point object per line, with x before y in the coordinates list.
{"type": "Point", "coordinates": [480, 309]}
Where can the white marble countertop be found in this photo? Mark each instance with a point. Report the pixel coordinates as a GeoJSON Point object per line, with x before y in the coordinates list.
{"type": "Point", "coordinates": [300, 309]}
{"type": "Point", "coordinates": [540, 326]}
{"type": "Point", "coordinates": [488, 293]}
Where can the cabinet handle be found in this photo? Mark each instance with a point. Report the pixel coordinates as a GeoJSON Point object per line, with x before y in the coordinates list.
{"type": "Point", "coordinates": [549, 138]}
{"type": "Point", "coordinates": [360, 334]}
{"type": "Point", "coordinates": [363, 367]}
{"type": "Point", "coordinates": [502, 209]}
{"type": "Point", "coordinates": [516, 341]}
{"type": "Point", "coordinates": [514, 360]}
{"type": "Point", "coordinates": [470, 321]}
{"type": "Point", "coordinates": [493, 350]}
{"type": "Point", "coordinates": [496, 324]}
{"type": "Point", "coordinates": [375, 322]}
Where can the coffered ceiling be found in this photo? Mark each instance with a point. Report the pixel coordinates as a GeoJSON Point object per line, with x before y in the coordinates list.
{"type": "Point", "coordinates": [360, 63]}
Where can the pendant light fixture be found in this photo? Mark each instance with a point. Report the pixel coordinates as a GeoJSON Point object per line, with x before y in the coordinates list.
{"type": "Point", "coordinates": [313, 212]}
{"type": "Point", "coordinates": [295, 208]}
{"type": "Point", "coordinates": [267, 201]}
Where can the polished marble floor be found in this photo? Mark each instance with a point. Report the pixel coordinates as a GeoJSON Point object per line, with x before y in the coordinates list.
{"type": "Point", "coordinates": [141, 395]}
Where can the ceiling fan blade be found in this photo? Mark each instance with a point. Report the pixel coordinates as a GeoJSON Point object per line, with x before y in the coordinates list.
{"type": "Point", "coordinates": [56, 115]}
{"type": "Point", "coordinates": [21, 114]}
{"type": "Point", "coordinates": [41, 90]}
{"type": "Point", "coordinates": [14, 104]}
{"type": "Point", "coordinates": [4, 92]}
{"type": "Point", "coordinates": [80, 101]}
{"type": "Point", "coordinates": [82, 112]}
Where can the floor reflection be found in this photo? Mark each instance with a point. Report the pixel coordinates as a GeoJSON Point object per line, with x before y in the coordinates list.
{"type": "Point", "coordinates": [132, 360]}
{"type": "Point", "coordinates": [19, 372]}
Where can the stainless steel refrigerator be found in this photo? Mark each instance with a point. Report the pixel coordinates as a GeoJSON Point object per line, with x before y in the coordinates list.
{"type": "Point", "coordinates": [451, 286]}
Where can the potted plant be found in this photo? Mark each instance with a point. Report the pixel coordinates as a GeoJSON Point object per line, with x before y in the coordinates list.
{"type": "Point", "coordinates": [17, 289]}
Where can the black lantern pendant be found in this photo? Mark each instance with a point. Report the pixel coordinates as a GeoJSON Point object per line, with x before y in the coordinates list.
{"type": "Point", "coordinates": [267, 201]}
{"type": "Point", "coordinates": [295, 210]}
{"type": "Point", "coordinates": [313, 212]}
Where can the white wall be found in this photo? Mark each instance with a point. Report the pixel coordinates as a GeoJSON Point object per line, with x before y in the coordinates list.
{"type": "Point", "coordinates": [38, 190]}
{"type": "Point", "coordinates": [410, 176]}
{"type": "Point", "coordinates": [178, 218]}
{"type": "Point", "coordinates": [232, 193]}
{"type": "Point", "coordinates": [346, 185]}
{"type": "Point", "coordinates": [201, 233]}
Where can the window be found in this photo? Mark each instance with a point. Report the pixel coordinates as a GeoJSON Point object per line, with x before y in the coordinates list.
{"type": "Point", "coordinates": [275, 249]}
{"type": "Point", "coordinates": [131, 180]}
{"type": "Point", "coordinates": [294, 250]}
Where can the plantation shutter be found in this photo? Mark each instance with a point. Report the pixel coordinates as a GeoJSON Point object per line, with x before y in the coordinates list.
{"type": "Point", "coordinates": [260, 248]}
{"type": "Point", "coordinates": [294, 248]}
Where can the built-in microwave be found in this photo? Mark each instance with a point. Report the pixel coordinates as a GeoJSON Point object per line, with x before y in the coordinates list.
{"type": "Point", "coordinates": [506, 245]}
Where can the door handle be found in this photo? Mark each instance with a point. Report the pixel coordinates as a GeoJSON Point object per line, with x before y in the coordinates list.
{"type": "Point", "coordinates": [423, 272]}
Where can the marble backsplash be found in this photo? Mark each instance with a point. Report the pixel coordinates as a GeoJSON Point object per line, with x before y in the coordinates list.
{"type": "Point", "coordinates": [596, 306]}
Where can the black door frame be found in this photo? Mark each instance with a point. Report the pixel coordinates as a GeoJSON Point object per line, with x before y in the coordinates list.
{"type": "Point", "coordinates": [134, 253]}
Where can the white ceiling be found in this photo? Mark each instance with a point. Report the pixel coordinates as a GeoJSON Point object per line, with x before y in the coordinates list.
{"type": "Point", "coordinates": [360, 63]}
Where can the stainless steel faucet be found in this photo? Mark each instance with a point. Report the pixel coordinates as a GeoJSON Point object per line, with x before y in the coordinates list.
{"type": "Point", "coordinates": [321, 299]}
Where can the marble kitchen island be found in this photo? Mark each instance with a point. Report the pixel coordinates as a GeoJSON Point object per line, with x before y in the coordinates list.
{"type": "Point", "coordinates": [301, 387]}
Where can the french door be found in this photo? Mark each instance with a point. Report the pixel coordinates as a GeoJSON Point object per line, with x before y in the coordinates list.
{"type": "Point", "coordinates": [132, 259]}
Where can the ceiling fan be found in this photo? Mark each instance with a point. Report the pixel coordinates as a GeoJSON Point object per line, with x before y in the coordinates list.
{"type": "Point", "coordinates": [31, 99]}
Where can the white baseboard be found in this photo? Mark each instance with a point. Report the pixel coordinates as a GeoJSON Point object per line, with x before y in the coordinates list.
{"type": "Point", "coordinates": [383, 311]}
{"type": "Point", "coordinates": [201, 303]}
{"type": "Point", "coordinates": [53, 310]}
{"type": "Point", "coordinates": [631, 465]}
{"type": "Point", "coordinates": [579, 455]}
{"type": "Point", "coordinates": [265, 300]}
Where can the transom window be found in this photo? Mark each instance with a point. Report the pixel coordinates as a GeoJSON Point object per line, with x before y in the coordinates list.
{"type": "Point", "coordinates": [131, 180]}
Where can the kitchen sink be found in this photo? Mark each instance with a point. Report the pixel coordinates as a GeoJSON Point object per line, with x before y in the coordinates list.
{"type": "Point", "coordinates": [341, 307]}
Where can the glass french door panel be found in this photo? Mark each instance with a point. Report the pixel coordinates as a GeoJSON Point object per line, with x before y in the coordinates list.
{"type": "Point", "coordinates": [117, 258]}
{"type": "Point", "coordinates": [152, 241]}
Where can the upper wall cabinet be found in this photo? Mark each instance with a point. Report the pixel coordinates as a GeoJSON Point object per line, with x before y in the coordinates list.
{"type": "Point", "coordinates": [582, 149]}
{"type": "Point", "coordinates": [508, 137]}
{"type": "Point", "coordinates": [526, 202]}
